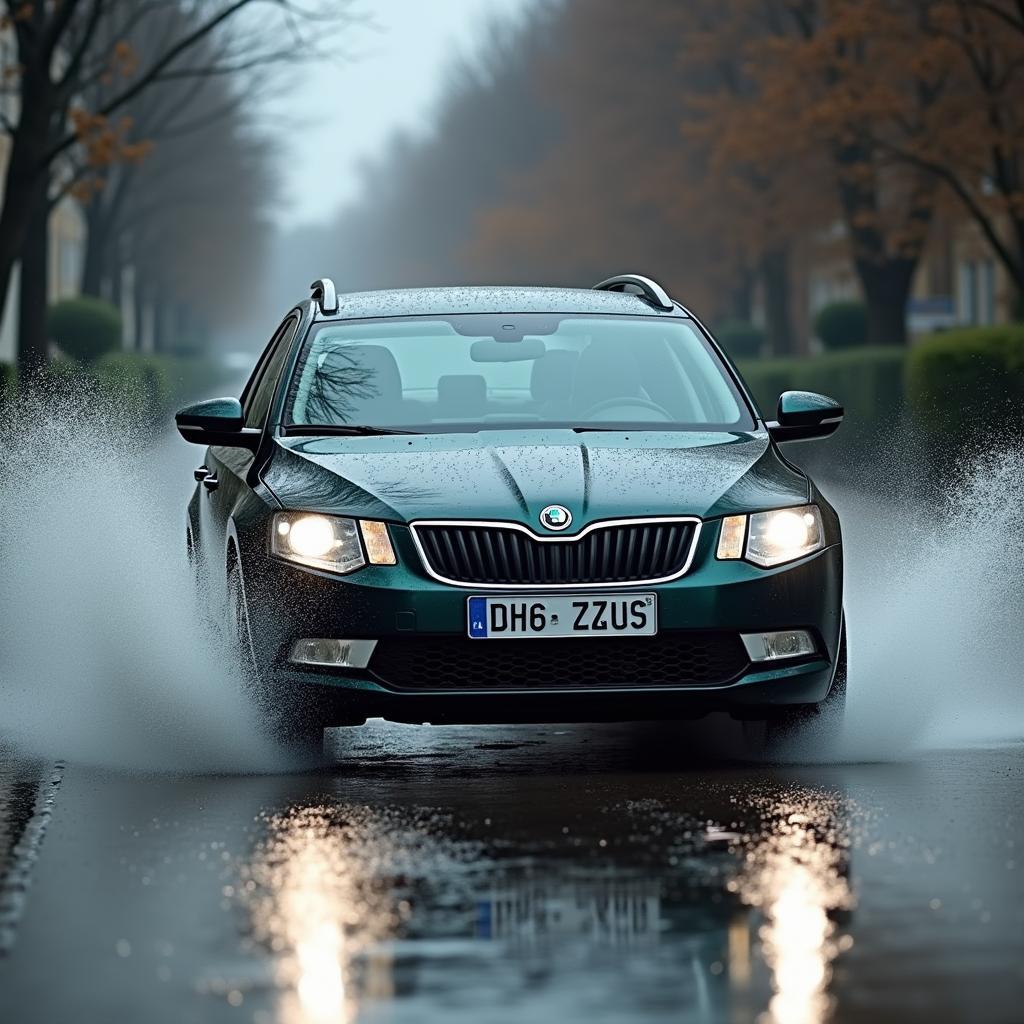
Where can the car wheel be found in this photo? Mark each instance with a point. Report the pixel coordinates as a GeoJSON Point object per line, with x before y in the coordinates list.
{"type": "Point", "coordinates": [804, 727]}
{"type": "Point", "coordinates": [296, 727]}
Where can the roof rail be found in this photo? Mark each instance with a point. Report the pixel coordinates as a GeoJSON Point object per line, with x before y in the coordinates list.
{"type": "Point", "coordinates": [633, 284]}
{"type": "Point", "coordinates": [325, 295]}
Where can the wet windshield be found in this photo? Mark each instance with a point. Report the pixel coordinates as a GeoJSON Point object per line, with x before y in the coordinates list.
{"type": "Point", "coordinates": [520, 370]}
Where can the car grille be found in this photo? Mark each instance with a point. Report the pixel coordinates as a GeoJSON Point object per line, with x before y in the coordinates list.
{"type": "Point", "coordinates": [672, 658]}
{"type": "Point", "coordinates": [500, 555]}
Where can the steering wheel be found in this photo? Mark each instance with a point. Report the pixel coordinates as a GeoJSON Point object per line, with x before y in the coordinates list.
{"type": "Point", "coordinates": [618, 403]}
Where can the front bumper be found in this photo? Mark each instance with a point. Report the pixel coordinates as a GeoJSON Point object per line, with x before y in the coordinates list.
{"type": "Point", "coordinates": [402, 603]}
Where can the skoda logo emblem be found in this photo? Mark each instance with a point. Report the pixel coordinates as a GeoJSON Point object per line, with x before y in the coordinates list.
{"type": "Point", "coordinates": [556, 517]}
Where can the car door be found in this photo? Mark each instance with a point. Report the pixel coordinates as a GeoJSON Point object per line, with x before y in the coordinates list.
{"type": "Point", "coordinates": [228, 468]}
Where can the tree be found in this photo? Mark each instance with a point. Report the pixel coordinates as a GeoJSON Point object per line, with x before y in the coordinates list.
{"type": "Point", "coordinates": [197, 199]}
{"type": "Point", "coordinates": [844, 81]}
{"type": "Point", "coordinates": [973, 140]}
{"type": "Point", "coordinates": [649, 171]}
{"type": "Point", "coordinates": [60, 49]}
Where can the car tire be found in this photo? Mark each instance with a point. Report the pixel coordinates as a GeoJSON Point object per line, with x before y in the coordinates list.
{"type": "Point", "coordinates": [804, 727]}
{"type": "Point", "coordinates": [292, 725]}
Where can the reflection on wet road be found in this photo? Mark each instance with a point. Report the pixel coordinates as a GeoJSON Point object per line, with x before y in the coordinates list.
{"type": "Point", "coordinates": [346, 901]}
{"type": "Point", "coordinates": [544, 874]}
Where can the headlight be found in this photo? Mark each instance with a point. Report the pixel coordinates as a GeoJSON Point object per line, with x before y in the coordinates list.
{"type": "Point", "coordinates": [332, 543]}
{"type": "Point", "coordinates": [772, 537]}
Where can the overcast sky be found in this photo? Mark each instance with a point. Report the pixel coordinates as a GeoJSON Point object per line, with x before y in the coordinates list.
{"type": "Point", "coordinates": [345, 112]}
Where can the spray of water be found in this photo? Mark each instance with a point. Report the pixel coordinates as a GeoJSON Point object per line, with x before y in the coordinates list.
{"type": "Point", "coordinates": [104, 657]}
{"type": "Point", "coordinates": [935, 604]}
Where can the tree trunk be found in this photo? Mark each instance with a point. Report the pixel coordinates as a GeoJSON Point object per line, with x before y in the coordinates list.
{"type": "Point", "coordinates": [778, 315]}
{"type": "Point", "coordinates": [33, 340]}
{"type": "Point", "coordinates": [886, 272]}
{"type": "Point", "coordinates": [886, 289]}
{"type": "Point", "coordinates": [19, 198]}
{"type": "Point", "coordinates": [26, 180]}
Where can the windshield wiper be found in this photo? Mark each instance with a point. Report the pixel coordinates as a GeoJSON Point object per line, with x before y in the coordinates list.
{"type": "Point", "coordinates": [617, 430]}
{"type": "Point", "coordinates": [342, 430]}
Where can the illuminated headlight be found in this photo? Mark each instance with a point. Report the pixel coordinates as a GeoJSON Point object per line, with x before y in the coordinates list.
{"type": "Point", "coordinates": [332, 543]}
{"type": "Point", "coordinates": [772, 538]}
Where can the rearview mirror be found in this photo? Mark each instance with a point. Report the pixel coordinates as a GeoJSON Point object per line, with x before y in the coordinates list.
{"type": "Point", "coordinates": [218, 422]}
{"type": "Point", "coordinates": [804, 416]}
{"type": "Point", "coordinates": [506, 350]}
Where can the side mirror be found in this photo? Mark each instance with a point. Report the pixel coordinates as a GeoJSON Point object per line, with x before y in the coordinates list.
{"type": "Point", "coordinates": [804, 416]}
{"type": "Point", "coordinates": [218, 422]}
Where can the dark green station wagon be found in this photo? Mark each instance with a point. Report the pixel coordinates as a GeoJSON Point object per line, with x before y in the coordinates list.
{"type": "Point", "coordinates": [516, 505]}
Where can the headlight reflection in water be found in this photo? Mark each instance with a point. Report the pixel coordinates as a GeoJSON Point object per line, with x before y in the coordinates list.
{"type": "Point", "coordinates": [328, 892]}
{"type": "Point", "coordinates": [313, 905]}
{"type": "Point", "coordinates": [329, 889]}
{"type": "Point", "coordinates": [795, 873]}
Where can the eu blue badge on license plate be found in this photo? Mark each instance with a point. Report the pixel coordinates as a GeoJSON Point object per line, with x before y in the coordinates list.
{"type": "Point", "coordinates": [478, 616]}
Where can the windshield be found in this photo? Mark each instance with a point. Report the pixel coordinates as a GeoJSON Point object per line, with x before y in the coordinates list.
{"type": "Point", "coordinates": [455, 373]}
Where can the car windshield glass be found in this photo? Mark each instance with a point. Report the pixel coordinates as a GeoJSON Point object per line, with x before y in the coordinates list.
{"type": "Point", "coordinates": [476, 372]}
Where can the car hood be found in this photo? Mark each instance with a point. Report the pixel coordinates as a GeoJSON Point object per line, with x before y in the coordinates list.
{"type": "Point", "coordinates": [514, 474]}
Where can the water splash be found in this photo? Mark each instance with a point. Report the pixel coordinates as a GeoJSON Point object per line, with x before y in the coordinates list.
{"type": "Point", "coordinates": [104, 657]}
{"type": "Point", "coordinates": [935, 599]}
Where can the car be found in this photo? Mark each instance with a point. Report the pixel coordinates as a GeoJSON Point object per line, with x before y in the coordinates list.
{"type": "Point", "coordinates": [511, 505]}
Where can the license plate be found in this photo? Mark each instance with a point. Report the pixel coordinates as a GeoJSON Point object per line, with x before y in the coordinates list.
{"type": "Point", "coordinates": [593, 615]}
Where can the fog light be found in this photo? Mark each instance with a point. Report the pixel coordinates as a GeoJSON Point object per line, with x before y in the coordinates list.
{"type": "Point", "coordinates": [332, 653]}
{"type": "Point", "coordinates": [788, 643]}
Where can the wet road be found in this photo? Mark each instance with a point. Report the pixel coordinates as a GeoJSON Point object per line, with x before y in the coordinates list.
{"type": "Point", "coordinates": [529, 874]}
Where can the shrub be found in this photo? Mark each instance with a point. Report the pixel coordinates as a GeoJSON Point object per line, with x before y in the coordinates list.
{"type": "Point", "coordinates": [741, 340]}
{"type": "Point", "coordinates": [842, 325]}
{"type": "Point", "coordinates": [965, 384]}
{"type": "Point", "coordinates": [85, 328]}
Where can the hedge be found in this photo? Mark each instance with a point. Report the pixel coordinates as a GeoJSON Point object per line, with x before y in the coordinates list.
{"type": "Point", "coordinates": [135, 385]}
{"type": "Point", "coordinates": [966, 384]}
{"type": "Point", "coordinates": [842, 325]}
{"type": "Point", "coordinates": [867, 382]}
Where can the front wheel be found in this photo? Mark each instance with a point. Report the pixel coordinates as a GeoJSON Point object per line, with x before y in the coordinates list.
{"type": "Point", "coordinates": [295, 726]}
{"type": "Point", "coordinates": [804, 727]}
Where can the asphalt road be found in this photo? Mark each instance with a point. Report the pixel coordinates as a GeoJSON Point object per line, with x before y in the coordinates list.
{"type": "Point", "coordinates": [517, 874]}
